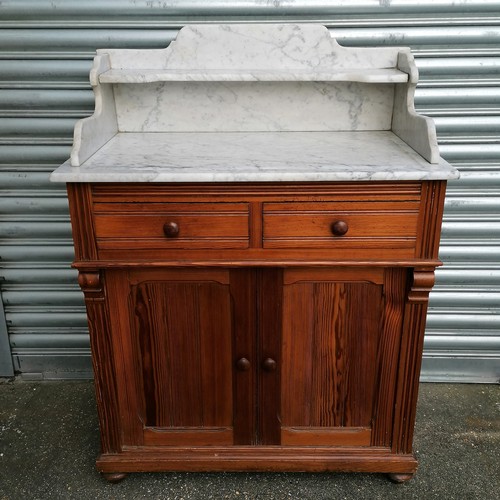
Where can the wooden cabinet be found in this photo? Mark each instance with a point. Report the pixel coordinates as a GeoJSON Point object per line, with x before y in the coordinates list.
{"type": "Point", "coordinates": [256, 214]}
{"type": "Point", "coordinates": [257, 327]}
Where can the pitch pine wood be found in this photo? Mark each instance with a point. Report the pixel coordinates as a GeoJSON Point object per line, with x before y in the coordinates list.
{"type": "Point", "coordinates": [269, 312]}
{"type": "Point", "coordinates": [253, 338]}
{"type": "Point", "coordinates": [92, 286]}
{"type": "Point", "coordinates": [184, 333]}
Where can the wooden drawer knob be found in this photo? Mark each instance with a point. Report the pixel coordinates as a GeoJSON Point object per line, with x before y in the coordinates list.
{"type": "Point", "coordinates": [269, 365]}
{"type": "Point", "coordinates": [171, 229]}
{"type": "Point", "coordinates": [243, 365]}
{"type": "Point", "coordinates": [339, 228]}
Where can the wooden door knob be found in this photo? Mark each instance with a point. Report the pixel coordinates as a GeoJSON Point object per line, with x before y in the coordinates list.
{"type": "Point", "coordinates": [243, 365]}
{"type": "Point", "coordinates": [339, 228]}
{"type": "Point", "coordinates": [269, 365]}
{"type": "Point", "coordinates": [171, 229]}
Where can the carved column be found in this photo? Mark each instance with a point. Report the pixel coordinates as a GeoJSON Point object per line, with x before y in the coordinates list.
{"type": "Point", "coordinates": [91, 282]}
{"type": "Point", "coordinates": [422, 281]}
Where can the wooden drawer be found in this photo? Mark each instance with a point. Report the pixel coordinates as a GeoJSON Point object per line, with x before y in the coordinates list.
{"type": "Point", "coordinates": [171, 225]}
{"type": "Point", "coordinates": [340, 224]}
{"type": "Point", "coordinates": [256, 223]}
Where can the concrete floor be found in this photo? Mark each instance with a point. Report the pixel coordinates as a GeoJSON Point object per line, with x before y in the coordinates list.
{"type": "Point", "coordinates": [49, 440]}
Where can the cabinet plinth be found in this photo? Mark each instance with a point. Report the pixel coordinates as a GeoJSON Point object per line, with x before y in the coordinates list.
{"type": "Point", "coordinates": [255, 338]}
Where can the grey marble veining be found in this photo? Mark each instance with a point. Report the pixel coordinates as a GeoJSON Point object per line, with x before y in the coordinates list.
{"type": "Point", "coordinates": [254, 157]}
{"type": "Point", "coordinates": [256, 102]}
{"type": "Point", "coordinates": [255, 46]}
{"type": "Point", "coordinates": [388, 75]}
{"type": "Point", "coordinates": [92, 132]}
{"type": "Point", "coordinates": [244, 106]}
{"type": "Point", "coordinates": [196, 95]}
{"type": "Point", "coordinates": [416, 130]}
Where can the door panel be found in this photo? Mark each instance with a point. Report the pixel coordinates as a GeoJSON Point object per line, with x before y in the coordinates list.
{"type": "Point", "coordinates": [331, 336]}
{"type": "Point", "coordinates": [184, 330]}
{"type": "Point", "coordinates": [181, 337]}
{"type": "Point", "coordinates": [214, 357]}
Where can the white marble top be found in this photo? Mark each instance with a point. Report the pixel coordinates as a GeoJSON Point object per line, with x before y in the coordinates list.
{"type": "Point", "coordinates": [254, 157]}
{"type": "Point", "coordinates": [248, 46]}
{"type": "Point", "coordinates": [384, 75]}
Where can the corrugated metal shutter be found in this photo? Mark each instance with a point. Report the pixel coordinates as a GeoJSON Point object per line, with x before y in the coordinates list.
{"type": "Point", "coordinates": [46, 49]}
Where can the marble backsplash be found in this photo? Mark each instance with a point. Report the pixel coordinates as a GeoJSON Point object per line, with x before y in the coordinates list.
{"type": "Point", "coordinates": [249, 106]}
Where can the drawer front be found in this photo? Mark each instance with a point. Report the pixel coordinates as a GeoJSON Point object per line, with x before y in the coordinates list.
{"type": "Point", "coordinates": [171, 225]}
{"type": "Point", "coordinates": [340, 224]}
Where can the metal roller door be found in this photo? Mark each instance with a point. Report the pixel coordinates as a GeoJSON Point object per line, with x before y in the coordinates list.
{"type": "Point", "coordinates": [46, 48]}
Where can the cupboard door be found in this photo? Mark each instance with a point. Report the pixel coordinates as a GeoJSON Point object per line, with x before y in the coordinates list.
{"type": "Point", "coordinates": [178, 343]}
{"type": "Point", "coordinates": [341, 331]}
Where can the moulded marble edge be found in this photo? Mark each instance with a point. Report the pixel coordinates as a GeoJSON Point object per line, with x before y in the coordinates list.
{"type": "Point", "coordinates": [67, 173]}
{"type": "Point", "coordinates": [386, 75]}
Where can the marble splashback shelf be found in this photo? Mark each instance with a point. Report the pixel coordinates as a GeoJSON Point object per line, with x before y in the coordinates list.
{"type": "Point", "coordinates": [254, 102]}
{"type": "Point", "coordinates": [369, 75]}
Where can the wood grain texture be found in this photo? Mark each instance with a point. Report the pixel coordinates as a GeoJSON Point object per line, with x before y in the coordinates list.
{"type": "Point", "coordinates": [190, 436]}
{"type": "Point", "coordinates": [395, 284]}
{"type": "Point", "coordinates": [259, 458]}
{"type": "Point", "coordinates": [319, 436]}
{"type": "Point", "coordinates": [269, 314]}
{"type": "Point", "coordinates": [309, 224]}
{"type": "Point", "coordinates": [256, 224]}
{"type": "Point", "coordinates": [122, 253]}
{"type": "Point", "coordinates": [128, 367]}
{"type": "Point", "coordinates": [151, 379]}
{"type": "Point", "coordinates": [244, 296]}
{"type": "Point", "coordinates": [336, 274]}
{"type": "Point", "coordinates": [265, 217]}
{"type": "Point", "coordinates": [430, 219]}
{"type": "Point", "coordinates": [209, 259]}
{"type": "Point", "coordinates": [80, 209]}
{"type": "Point", "coordinates": [332, 334]}
{"type": "Point", "coordinates": [227, 192]}
{"type": "Point", "coordinates": [421, 285]}
{"type": "Point", "coordinates": [103, 360]}
{"type": "Point", "coordinates": [408, 377]}
{"type": "Point", "coordinates": [185, 333]}
{"type": "Point", "coordinates": [330, 339]}
{"type": "Point", "coordinates": [136, 225]}
{"type": "Point", "coordinates": [365, 319]}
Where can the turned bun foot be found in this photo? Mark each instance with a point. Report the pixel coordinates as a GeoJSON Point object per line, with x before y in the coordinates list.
{"type": "Point", "coordinates": [114, 477]}
{"type": "Point", "coordinates": [397, 477]}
